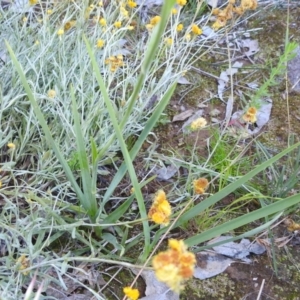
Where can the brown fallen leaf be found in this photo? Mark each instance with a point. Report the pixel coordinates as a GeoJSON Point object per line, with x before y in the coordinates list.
{"type": "Point", "coordinates": [183, 116]}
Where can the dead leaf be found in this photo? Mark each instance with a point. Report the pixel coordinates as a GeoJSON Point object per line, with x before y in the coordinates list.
{"type": "Point", "coordinates": [213, 3]}
{"type": "Point", "coordinates": [237, 250]}
{"type": "Point", "coordinates": [210, 264]}
{"type": "Point", "coordinates": [166, 173]}
{"type": "Point", "coordinates": [183, 80]}
{"type": "Point", "coordinates": [252, 46]}
{"type": "Point", "coordinates": [225, 77]}
{"type": "Point", "coordinates": [155, 289]}
{"type": "Point", "coordinates": [183, 116]}
{"type": "Point", "coordinates": [215, 120]}
{"type": "Point", "coordinates": [294, 71]}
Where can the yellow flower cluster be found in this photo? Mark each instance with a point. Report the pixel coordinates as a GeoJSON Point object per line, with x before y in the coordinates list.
{"type": "Point", "coordinates": [115, 62]}
{"type": "Point", "coordinates": [11, 145]}
{"type": "Point", "coordinates": [60, 31]}
{"type": "Point", "coordinates": [23, 263]}
{"type": "Point", "coordinates": [169, 41]}
{"type": "Point", "coordinates": [69, 25]}
{"type": "Point", "coordinates": [181, 2]}
{"type": "Point", "coordinates": [100, 43]}
{"type": "Point", "coordinates": [250, 115]}
{"type": "Point", "coordinates": [51, 93]}
{"type": "Point", "coordinates": [160, 210]}
{"type": "Point", "coordinates": [196, 30]}
{"type": "Point", "coordinates": [291, 225]}
{"type": "Point", "coordinates": [223, 15]}
{"type": "Point", "coordinates": [154, 21]}
{"type": "Point", "coordinates": [131, 4]}
{"type": "Point", "coordinates": [118, 24]}
{"type": "Point", "coordinates": [179, 27]}
{"type": "Point", "coordinates": [200, 185]}
{"type": "Point", "coordinates": [198, 123]}
{"type": "Point", "coordinates": [132, 294]}
{"type": "Point", "coordinates": [175, 265]}
{"type": "Point", "coordinates": [102, 22]}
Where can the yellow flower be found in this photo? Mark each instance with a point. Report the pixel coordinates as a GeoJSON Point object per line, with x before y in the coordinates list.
{"type": "Point", "coordinates": [196, 30]}
{"type": "Point", "coordinates": [124, 12]}
{"type": "Point", "coordinates": [181, 2]}
{"type": "Point", "coordinates": [115, 62]}
{"type": "Point", "coordinates": [23, 263]}
{"type": "Point", "coordinates": [33, 2]}
{"type": "Point", "coordinates": [187, 37]}
{"type": "Point", "coordinates": [174, 11]}
{"type": "Point", "coordinates": [102, 22]}
{"type": "Point", "coordinates": [215, 11]}
{"type": "Point", "coordinates": [179, 27]}
{"type": "Point", "coordinates": [249, 4]}
{"type": "Point", "coordinates": [200, 185]}
{"type": "Point", "coordinates": [60, 32]}
{"type": "Point", "coordinates": [130, 27]}
{"type": "Point", "coordinates": [238, 10]}
{"type": "Point", "coordinates": [69, 25]}
{"type": "Point", "coordinates": [250, 115]}
{"type": "Point", "coordinates": [149, 27]}
{"type": "Point", "coordinates": [49, 11]}
{"type": "Point", "coordinates": [100, 43]}
{"type": "Point", "coordinates": [51, 93]}
{"type": "Point", "coordinates": [198, 123]}
{"type": "Point", "coordinates": [249, 118]}
{"type": "Point", "coordinates": [175, 265]}
{"type": "Point", "coordinates": [220, 22]}
{"type": "Point", "coordinates": [11, 145]}
{"type": "Point", "coordinates": [169, 41]}
{"type": "Point", "coordinates": [252, 110]}
{"type": "Point", "coordinates": [132, 294]}
{"type": "Point", "coordinates": [118, 24]}
{"type": "Point", "coordinates": [160, 210]}
{"type": "Point", "coordinates": [155, 20]}
{"type": "Point", "coordinates": [131, 4]}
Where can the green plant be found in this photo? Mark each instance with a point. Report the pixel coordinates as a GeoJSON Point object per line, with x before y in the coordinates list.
{"type": "Point", "coordinates": [87, 92]}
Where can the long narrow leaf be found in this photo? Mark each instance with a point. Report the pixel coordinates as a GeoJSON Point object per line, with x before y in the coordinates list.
{"type": "Point", "coordinates": [140, 141]}
{"type": "Point", "coordinates": [249, 233]}
{"type": "Point", "coordinates": [89, 199]}
{"type": "Point", "coordinates": [245, 219]}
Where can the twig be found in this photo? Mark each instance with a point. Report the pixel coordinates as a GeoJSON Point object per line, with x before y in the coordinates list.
{"type": "Point", "coordinates": [205, 73]}
{"type": "Point", "coordinates": [260, 290]}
